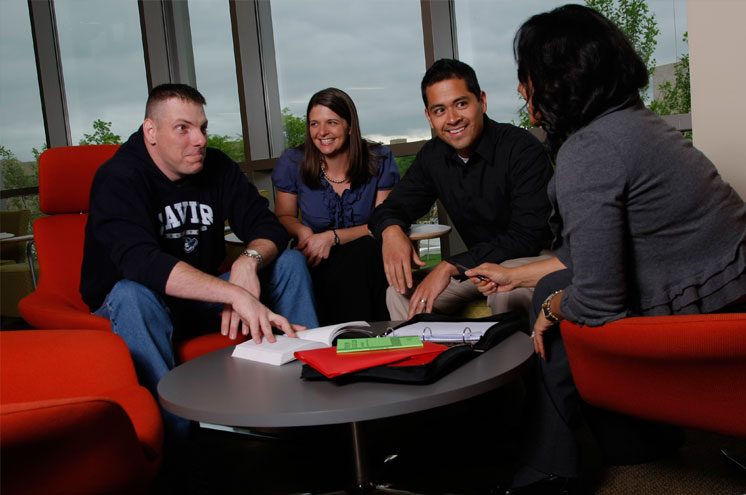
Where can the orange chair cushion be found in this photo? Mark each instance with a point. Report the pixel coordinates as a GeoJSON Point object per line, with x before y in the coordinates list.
{"type": "Point", "coordinates": [56, 302]}
{"type": "Point", "coordinates": [66, 174]}
{"type": "Point", "coordinates": [686, 370]}
{"type": "Point", "coordinates": [78, 445]}
{"type": "Point", "coordinates": [42, 365]}
{"type": "Point", "coordinates": [197, 346]}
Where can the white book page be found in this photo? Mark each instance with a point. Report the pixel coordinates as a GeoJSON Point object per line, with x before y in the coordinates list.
{"type": "Point", "coordinates": [327, 334]}
{"type": "Point", "coordinates": [281, 351]}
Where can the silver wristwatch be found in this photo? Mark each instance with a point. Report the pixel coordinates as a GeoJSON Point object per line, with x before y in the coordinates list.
{"type": "Point", "coordinates": [253, 253]}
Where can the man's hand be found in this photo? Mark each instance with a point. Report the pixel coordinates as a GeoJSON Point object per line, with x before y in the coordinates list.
{"type": "Point", "coordinates": [243, 274]}
{"type": "Point", "coordinates": [499, 278]}
{"type": "Point", "coordinates": [398, 254]}
{"type": "Point", "coordinates": [430, 288]}
{"type": "Point", "coordinates": [316, 247]}
{"type": "Point", "coordinates": [257, 320]}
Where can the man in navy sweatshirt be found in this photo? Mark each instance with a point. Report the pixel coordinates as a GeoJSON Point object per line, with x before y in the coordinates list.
{"type": "Point", "coordinates": [155, 239]}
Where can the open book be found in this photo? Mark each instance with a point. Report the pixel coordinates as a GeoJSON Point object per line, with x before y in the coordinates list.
{"type": "Point", "coordinates": [281, 351]}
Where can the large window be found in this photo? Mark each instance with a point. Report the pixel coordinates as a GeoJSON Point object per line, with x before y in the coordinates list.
{"type": "Point", "coordinates": [103, 65]}
{"type": "Point", "coordinates": [485, 41]}
{"type": "Point", "coordinates": [215, 69]}
{"type": "Point", "coordinates": [372, 50]}
{"type": "Point", "coordinates": [22, 126]}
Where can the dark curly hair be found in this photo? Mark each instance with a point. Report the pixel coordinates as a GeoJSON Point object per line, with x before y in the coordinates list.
{"type": "Point", "coordinates": [575, 64]}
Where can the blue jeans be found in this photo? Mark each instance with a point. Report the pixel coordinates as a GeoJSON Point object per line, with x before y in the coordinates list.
{"type": "Point", "coordinates": [147, 321]}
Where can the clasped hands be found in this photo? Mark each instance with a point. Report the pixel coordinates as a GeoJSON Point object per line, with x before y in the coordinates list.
{"type": "Point", "coordinates": [315, 247]}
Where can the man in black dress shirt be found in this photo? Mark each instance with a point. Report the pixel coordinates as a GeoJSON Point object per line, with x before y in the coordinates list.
{"type": "Point", "coordinates": [492, 180]}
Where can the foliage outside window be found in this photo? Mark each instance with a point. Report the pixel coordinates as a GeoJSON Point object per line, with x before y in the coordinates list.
{"type": "Point", "coordinates": [641, 27]}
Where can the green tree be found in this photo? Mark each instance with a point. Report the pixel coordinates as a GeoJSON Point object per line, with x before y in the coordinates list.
{"type": "Point", "coordinates": [293, 128]}
{"type": "Point", "coordinates": [403, 163]}
{"type": "Point", "coordinates": [233, 147]}
{"type": "Point", "coordinates": [17, 175]}
{"type": "Point", "coordinates": [637, 23]}
{"type": "Point", "coordinates": [101, 134]}
{"type": "Point", "coordinates": [676, 97]}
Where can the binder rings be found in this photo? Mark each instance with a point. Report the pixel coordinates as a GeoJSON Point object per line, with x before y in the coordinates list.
{"type": "Point", "coordinates": [504, 325]}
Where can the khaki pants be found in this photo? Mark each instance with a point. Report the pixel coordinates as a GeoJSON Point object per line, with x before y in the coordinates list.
{"type": "Point", "coordinates": [457, 294]}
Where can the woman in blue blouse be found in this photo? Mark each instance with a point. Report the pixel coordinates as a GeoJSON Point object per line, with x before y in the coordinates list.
{"type": "Point", "coordinates": [336, 179]}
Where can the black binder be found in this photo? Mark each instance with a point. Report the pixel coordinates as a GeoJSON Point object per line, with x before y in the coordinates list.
{"type": "Point", "coordinates": [506, 324]}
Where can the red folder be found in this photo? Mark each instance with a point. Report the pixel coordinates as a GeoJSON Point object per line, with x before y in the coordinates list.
{"type": "Point", "coordinates": [327, 362]}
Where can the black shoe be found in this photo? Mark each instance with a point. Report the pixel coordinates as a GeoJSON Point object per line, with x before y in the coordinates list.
{"type": "Point", "coordinates": [551, 485]}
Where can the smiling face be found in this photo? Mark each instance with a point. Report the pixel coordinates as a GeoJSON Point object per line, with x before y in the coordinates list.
{"type": "Point", "coordinates": [329, 132]}
{"type": "Point", "coordinates": [456, 114]}
{"type": "Point", "coordinates": [176, 137]}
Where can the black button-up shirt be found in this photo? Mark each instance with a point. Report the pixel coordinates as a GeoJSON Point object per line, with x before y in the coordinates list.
{"type": "Point", "coordinates": [497, 200]}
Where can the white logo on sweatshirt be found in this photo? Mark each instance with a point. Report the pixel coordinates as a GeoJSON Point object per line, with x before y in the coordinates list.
{"type": "Point", "coordinates": [185, 219]}
{"type": "Point", "coordinates": [190, 244]}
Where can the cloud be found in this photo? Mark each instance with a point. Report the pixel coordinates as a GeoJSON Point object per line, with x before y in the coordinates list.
{"type": "Point", "coordinates": [372, 49]}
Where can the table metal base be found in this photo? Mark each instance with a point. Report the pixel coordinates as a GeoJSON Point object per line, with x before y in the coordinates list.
{"type": "Point", "coordinates": [362, 483]}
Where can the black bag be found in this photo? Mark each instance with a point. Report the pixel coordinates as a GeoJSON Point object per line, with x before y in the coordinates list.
{"type": "Point", "coordinates": [506, 324]}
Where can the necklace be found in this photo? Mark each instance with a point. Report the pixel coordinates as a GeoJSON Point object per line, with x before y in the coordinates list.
{"type": "Point", "coordinates": [341, 181]}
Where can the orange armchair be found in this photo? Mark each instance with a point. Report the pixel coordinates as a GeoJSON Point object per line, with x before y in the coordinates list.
{"type": "Point", "coordinates": [72, 415]}
{"type": "Point", "coordinates": [684, 370]}
{"type": "Point", "coordinates": [65, 178]}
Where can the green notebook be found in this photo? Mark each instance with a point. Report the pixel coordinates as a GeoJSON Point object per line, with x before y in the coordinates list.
{"type": "Point", "coordinates": [377, 344]}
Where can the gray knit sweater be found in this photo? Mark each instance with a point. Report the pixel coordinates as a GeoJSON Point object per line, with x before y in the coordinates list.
{"type": "Point", "coordinates": [644, 221]}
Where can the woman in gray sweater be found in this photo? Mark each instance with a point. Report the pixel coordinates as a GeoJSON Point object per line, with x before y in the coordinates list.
{"type": "Point", "coordinates": [643, 225]}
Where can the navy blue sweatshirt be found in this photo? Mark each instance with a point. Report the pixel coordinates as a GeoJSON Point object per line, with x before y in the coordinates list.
{"type": "Point", "coordinates": [141, 223]}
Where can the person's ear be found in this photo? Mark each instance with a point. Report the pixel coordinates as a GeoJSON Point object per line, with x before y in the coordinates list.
{"type": "Point", "coordinates": [149, 131]}
{"type": "Point", "coordinates": [483, 101]}
{"type": "Point", "coordinates": [427, 115]}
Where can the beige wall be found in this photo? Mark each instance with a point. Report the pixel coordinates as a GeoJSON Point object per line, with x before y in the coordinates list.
{"type": "Point", "coordinates": [717, 39]}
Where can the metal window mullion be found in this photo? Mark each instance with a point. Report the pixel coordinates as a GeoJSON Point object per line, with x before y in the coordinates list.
{"type": "Point", "coordinates": [439, 35]}
{"type": "Point", "coordinates": [167, 42]}
{"type": "Point", "coordinates": [256, 72]}
{"type": "Point", "coordinates": [49, 72]}
{"type": "Point", "coordinates": [439, 30]}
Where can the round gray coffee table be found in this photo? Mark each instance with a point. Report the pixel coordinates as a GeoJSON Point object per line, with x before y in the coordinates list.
{"type": "Point", "coordinates": [219, 389]}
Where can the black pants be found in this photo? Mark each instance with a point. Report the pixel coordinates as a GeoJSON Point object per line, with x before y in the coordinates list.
{"type": "Point", "coordinates": [351, 285]}
{"type": "Point", "coordinates": [555, 411]}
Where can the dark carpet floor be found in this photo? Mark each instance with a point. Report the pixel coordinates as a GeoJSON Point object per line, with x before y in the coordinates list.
{"type": "Point", "coordinates": [461, 449]}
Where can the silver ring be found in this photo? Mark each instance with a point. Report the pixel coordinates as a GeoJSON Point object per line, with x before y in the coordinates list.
{"type": "Point", "coordinates": [423, 301]}
{"type": "Point", "coordinates": [533, 334]}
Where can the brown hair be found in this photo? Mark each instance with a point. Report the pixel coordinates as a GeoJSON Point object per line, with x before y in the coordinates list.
{"type": "Point", "coordinates": [363, 162]}
{"type": "Point", "coordinates": [165, 92]}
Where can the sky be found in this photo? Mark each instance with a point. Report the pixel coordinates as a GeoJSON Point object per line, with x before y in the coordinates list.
{"type": "Point", "coordinates": [370, 48]}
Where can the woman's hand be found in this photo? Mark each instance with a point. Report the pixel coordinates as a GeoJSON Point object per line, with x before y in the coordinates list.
{"type": "Point", "coordinates": [540, 327]}
{"type": "Point", "coordinates": [543, 324]}
{"type": "Point", "coordinates": [316, 247]}
{"type": "Point", "coordinates": [499, 278]}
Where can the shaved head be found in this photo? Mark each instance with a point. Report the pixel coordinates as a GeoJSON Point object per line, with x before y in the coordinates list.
{"type": "Point", "coordinates": [164, 92]}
